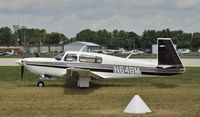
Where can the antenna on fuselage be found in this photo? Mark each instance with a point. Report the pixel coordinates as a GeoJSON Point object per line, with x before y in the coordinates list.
{"type": "Point", "coordinates": [129, 55]}
{"type": "Point", "coordinates": [82, 48]}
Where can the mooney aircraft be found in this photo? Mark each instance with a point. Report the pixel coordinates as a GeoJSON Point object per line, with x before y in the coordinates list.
{"type": "Point", "coordinates": [94, 65]}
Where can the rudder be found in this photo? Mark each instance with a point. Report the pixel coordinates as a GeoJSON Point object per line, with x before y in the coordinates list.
{"type": "Point", "coordinates": [167, 55]}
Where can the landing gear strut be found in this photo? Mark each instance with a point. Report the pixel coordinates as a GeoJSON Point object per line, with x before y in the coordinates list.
{"type": "Point", "coordinates": [40, 84]}
{"type": "Point", "coordinates": [42, 78]}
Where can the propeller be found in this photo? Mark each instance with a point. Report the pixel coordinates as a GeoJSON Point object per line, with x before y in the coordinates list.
{"type": "Point", "coordinates": [21, 63]}
{"type": "Point", "coordinates": [22, 72]}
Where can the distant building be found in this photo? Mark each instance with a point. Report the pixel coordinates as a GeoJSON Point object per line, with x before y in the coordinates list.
{"type": "Point", "coordinates": [77, 45]}
{"type": "Point", "coordinates": [45, 48]}
{"type": "Point", "coordinates": [155, 48]}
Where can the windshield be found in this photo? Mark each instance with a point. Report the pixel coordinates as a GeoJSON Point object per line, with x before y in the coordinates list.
{"type": "Point", "coordinates": [59, 57]}
{"type": "Point", "coordinates": [70, 58]}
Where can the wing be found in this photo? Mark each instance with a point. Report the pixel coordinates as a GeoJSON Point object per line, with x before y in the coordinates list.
{"type": "Point", "coordinates": [83, 72]}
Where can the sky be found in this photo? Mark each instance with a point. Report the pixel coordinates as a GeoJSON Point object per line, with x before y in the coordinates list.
{"type": "Point", "coordinates": [72, 16]}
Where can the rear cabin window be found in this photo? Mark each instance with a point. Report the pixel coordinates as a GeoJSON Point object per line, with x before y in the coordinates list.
{"type": "Point", "coordinates": [70, 58]}
{"type": "Point", "coordinates": [90, 59]}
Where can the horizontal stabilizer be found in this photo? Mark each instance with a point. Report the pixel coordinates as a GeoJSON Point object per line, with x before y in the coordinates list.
{"type": "Point", "coordinates": [166, 66]}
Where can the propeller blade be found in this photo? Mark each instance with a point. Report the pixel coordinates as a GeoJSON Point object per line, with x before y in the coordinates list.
{"type": "Point", "coordinates": [22, 72]}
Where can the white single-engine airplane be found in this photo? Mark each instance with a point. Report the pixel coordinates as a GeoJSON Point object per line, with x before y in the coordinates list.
{"type": "Point", "coordinates": [94, 65]}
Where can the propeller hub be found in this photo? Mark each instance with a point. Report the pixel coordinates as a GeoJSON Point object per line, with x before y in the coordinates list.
{"type": "Point", "coordinates": [20, 61]}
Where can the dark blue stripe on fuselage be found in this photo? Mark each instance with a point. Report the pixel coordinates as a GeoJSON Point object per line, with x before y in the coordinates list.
{"type": "Point", "coordinates": [102, 70]}
{"type": "Point", "coordinates": [159, 74]}
{"type": "Point", "coordinates": [65, 67]}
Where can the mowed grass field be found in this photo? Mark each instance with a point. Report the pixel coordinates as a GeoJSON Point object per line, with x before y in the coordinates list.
{"type": "Point", "coordinates": [167, 97]}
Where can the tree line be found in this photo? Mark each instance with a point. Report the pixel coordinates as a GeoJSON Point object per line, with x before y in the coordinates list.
{"type": "Point", "coordinates": [30, 36]}
{"type": "Point", "coordinates": [114, 39]}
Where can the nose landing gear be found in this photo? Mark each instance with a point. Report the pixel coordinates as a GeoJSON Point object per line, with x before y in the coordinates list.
{"type": "Point", "coordinates": [40, 84]}
{"type": "Point", "coordinates": [42, 78]}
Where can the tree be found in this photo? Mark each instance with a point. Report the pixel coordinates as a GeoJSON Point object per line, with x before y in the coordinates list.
{"type": "Point", "coordinates": [85, 35]}
{"type": "Point", "coordinates": [149, 37]}
{"type": "Point", "coordinates": [36, 36]}
{"type": "Point", "coordinates": [6, 37]}
{"type": "Point", "coordinates": [195, 41]}
{"type": "Point", "coordinates": [56, 38]}
{"type": "Point", "coordinates": [181, 39]}
{"type": "Point", "coordinates": [63, 38]}
{"type": "Point", "coordinates": [102, 37]}
{"type": "Point", "coordinates": [134, 40]}
{"type": "Point", "coordinates": [33, 36]}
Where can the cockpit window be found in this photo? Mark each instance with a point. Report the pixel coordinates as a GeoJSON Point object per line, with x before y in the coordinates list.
{"type": "Point", "coordinates": [70, 58]}
{"type": "Point", "coordinates": [90, 59]}
{"type": "Point", "coordinates": [59, 57]}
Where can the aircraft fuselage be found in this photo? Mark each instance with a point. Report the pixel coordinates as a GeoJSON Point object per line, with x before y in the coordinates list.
{"type": "Point", "coordinates": [112, 66]}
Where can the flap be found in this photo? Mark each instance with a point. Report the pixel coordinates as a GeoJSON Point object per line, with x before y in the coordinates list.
{"type": "Point", "coordinates": [82, 72]}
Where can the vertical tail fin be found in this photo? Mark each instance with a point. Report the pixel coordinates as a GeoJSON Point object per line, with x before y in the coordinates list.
{"type": "Point", "coordinates": [167, 55]}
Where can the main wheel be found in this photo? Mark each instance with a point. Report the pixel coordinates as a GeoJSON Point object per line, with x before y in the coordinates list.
{"type": "Point", "coordinates": [40, 84]}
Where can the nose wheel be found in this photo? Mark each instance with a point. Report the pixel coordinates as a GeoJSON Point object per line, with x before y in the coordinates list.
{"type": "Point", "coordinates": [40, 84]}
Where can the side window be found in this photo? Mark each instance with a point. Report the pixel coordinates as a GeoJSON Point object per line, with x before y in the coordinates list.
{"type": "Point", "coordinates": [70, 58]}
{"type": "Point", "coordinates": [90, 59]}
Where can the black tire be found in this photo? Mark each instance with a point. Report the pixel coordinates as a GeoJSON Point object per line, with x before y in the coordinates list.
{"type": "Point", "coordinates": [40, 84]}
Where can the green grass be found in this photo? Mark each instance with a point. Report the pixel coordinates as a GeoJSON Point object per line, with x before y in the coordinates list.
{"type": "Point", "coordinates": [167, 97]}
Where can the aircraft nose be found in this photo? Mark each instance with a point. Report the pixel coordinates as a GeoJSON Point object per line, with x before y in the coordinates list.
{"type": "Point", "coordinates": [20, 61]}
